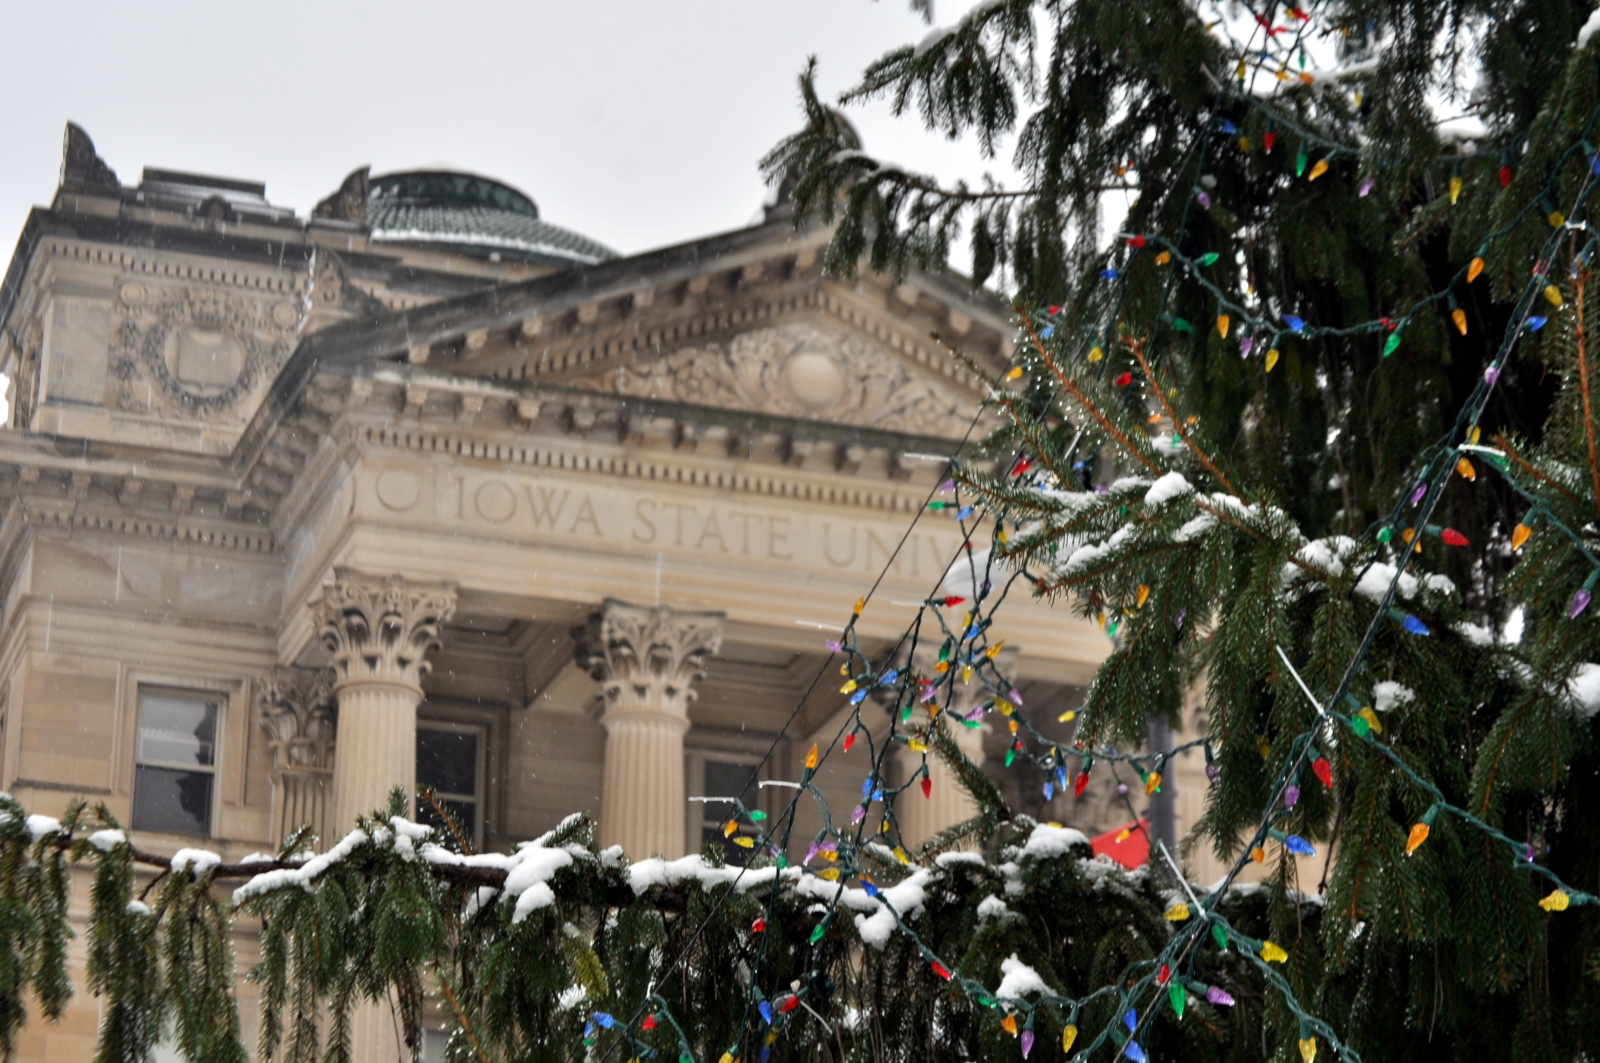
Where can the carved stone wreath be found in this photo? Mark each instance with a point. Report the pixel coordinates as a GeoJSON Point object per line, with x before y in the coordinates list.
{"type": "Point", "coordinates": [799, 370]}
{"type": "Point", "coordinates": [142, 350]}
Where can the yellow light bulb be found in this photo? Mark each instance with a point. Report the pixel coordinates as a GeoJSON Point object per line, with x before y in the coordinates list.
{"type": "Point", "coordinates": [1177, 913]}
{"type": "Point", "coordinates": [1318, 170]}
{"type": "Point", "coordinates": [1016, 372]}
{"type": "Point", "coordinates": [1475, 268]}
{"type": "Point", "coordinates": [1070, 1034]}
{"type": "Point", "coordinates": [1272, 359]}
{"type": "Point", "coordinates": [1459, 316]}
{"type": "Point", "coordinates": [1272, 953]}
{"type": "Point", "coordinates": [1222, 325]}
{"type": "Point", "coordinates": [1096, 354]}
{"type": "Point", "coordinates": [1152, 783]}
{"type": "Point", "coordinates": [1519, 535]}
{"type": "Point", "coordinates": [1163, 258]}
{"type": "Point", "coordinates": [1464, 467]}
{"type": "Point", "coordinates": [1559, 901]}
{"type": "Point", "coordinates": [1455, 189]}
{"type": "Point", "coordinates": [1308, 1049]}
{"type": "Point", "coordinates": [811, 756]}
{"type": "Point", "coordinates": [1143, 595]}
{"type": "Point", "coordinates": [1552, 295]}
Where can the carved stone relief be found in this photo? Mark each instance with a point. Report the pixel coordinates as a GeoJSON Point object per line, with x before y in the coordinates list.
{"type": "Point", "coordinates": [297, 713]}
{"type": "Point", "coordinates": [799, 370]}
{"type": "Point", "coordinates": [197, 352]}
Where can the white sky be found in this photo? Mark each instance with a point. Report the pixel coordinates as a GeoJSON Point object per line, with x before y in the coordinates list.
{"type": "Point", "coordinates": [635, 122]}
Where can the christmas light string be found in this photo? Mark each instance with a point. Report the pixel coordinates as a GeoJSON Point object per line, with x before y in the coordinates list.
{"type": "Point", "coordinates": [1442, 470]}
{"type": "Point", "coordinates": [889, 796]}
{"type": "Point", "coordinates": [1251, 325]}
{"type": "Point", "coordinates": [1300, 749]}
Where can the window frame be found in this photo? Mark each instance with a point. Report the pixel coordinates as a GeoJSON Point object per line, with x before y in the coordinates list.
{"type": "Point", "coordinates": [480, 770]}
{"type": "Point", "coordinates": [219, 700]}
{"type": "Point", "coordinates": [700, 814]}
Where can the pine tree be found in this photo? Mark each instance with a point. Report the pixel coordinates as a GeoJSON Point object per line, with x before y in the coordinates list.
{"type": "Point", "coordinates": [1332, 378]}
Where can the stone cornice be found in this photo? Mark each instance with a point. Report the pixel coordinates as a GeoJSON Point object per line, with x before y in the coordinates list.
{"type": "Point", "coordinates": [627, 341]}
{"type": "Point", "coordinates": [419, 410]}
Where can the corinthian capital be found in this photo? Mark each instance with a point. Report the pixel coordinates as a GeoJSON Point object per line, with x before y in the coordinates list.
{"type": "Point", "coordinates": [381, 629]}
{"type": "Point", "coordinates": [295, 709]}
{"type": "Point", "coordinates": [648, 659]}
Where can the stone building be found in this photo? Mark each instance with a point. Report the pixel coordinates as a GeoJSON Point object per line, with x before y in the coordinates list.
{"type": "Point", "coordinates": [425, 489]}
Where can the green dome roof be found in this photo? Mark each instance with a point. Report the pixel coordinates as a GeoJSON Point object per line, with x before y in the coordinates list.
{"type": "Point", "coordinates": [472, 214]}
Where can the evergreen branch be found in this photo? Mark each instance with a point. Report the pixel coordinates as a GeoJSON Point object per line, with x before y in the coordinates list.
{"type": "Point", "coordinates": [1580, 323]}
{"type": "Point", "coordinates": [1501, 442]}
{"type": "Point", "coordinates": [1137, 350]}
{"type": "Point", "coordinates": [1070, 386]}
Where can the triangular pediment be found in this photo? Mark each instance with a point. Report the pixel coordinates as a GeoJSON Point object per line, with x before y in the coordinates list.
{"type": "Point", "coordinates": [806, 369]}
{"type": "Point", "coordinates": [743, 321]}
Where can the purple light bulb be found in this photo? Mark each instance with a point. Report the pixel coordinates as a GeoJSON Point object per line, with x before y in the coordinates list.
{"type": "Point", "coordinates": [1291, 795]}
{"type": "Point", "coordinates": [1177, 621]}
{"type": "Point", "coordinates": [1580, 602]}
{"type": "Point", "coordinates": [1205, 200]}
{"type": "Point", "coordinates": [1219, 997]}
{"type": "Point", "coordinates": [1122, 788]}
{"type": "Point", "coordinates": [1245, 344]}
{"type": "Point", "coordinates": [834, 647]}
{"type": "Point", "coordinates": [858, 815]}
{"type": "Point", "coordinates": [1418, 494]}
{"type": "Point", "coordinates": [1027, 1043]}
{"type": "Point", "coordinates": [1213, 773]}
{"type": "Point", "coordinates": [1367, 185]}
{"type": "Point", "coordinates": [1490, 375]}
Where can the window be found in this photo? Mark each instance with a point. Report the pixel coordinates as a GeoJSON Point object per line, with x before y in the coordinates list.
{"type": "Point", "coordinates": [175, 762]}
{"type": "Point", "coordinates": [722, 775]}
{"type": "Point", "coordinates": [450, 759]}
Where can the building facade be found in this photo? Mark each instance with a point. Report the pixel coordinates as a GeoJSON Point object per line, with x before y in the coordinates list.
{"type": "Point", "coordinates": [425, 489]}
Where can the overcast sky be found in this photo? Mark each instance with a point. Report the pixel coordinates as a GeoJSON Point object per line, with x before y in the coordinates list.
{"type": "Point", "coordinates": [635, 122]}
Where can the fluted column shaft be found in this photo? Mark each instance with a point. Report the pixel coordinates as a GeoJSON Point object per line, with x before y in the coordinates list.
{"type": "Point", "coordinates": [642, 803]}
{"type": "Point", "coordinates": [380, 632]}
{"type": "Point", "coordinates": [378, 726]}
{"type": "Point", "coordinates": [647, 661]}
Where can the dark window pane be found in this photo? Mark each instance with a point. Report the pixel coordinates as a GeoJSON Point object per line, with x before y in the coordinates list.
{"type": "Point", "coordinates": [176, 729]}
{"type": "Point", "coordinates": [727, 780]}
{"type": "Point", "coordinates": [465, 812]}
{"type": "Point", "coordinates": [172, 801]}
{"type": "Point", "coordinates": [447, 761]}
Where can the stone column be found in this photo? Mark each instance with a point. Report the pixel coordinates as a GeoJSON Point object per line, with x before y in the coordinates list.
{"type": "Point", "coordinates": [920, 818]}
{"type": "Point", "coordinates": [646, 661]}
{"type": "Point", "coordinates": [296, 711]}
{"type": "Point", "coordinates": [380, 632]}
